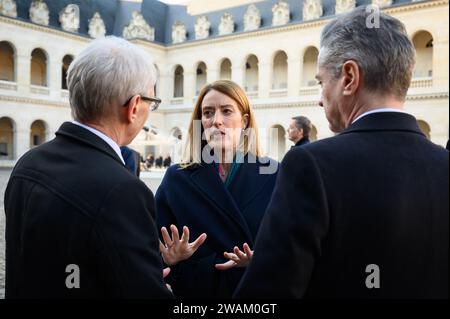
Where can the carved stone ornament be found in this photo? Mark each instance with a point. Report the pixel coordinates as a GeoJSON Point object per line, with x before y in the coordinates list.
{"type": "Point", "coordinates": [344, 6]}
{"type": "Point", "coordinates": [312, 9]}
{"type": "Point", "coordinates": [226, 25]}
{"type": "Point", "coordinates": [138, 28]}
{"type": "Point", "coordinates": [97, 28]}
{"type": "Point", "coordinates": [202, 28]}
{"type": "Point", "coordinates": [69, 17]}
{"type": "Point", "coordinates": [8, 8]}
{"type": "Point", "coordinates": [382, 3]}
{"type": "Point", "coordinates": [178, 32]}
{"type": "Point", "coordinates": [39, 12]}
{"type": "Point", "coordinates": [280, 13]}
{"type": "Point", "coordinates": [252, 18]}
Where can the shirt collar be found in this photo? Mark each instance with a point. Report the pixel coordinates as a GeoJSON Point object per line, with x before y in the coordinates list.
{"type": "Point", "coordinates": [380, 110]}
{"type": "Point", "coordinates": [104, 137]}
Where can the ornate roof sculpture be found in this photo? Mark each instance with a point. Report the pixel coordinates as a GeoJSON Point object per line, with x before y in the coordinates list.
{"type": "Point", "coordinates": [97, 28]}
{"type": "Point", "coordinates": [280, 14]}
{"type": "Point", "coordinates": [252, 18]}
{"type": "Point", "coordinates": [312, 9]}
{"type": "Point", "coordinates": [139, 28]}
{"type": "Point", "coordinates": [382, 3]}
{"type": "Point", "coordinates": [202, 26]}
{"type": "Point", "coordinates": [226, 25]}
{"type": "Point", "coordinates": [8, 8]}
{"type": "Point", "coordinates": [344, 6]}
{"type": "Point", "coordinates": [69, 17]}
{"type": "Point", "coordinates": [178, 32]}
{"type": "Point", "coordinates": [39, 12]}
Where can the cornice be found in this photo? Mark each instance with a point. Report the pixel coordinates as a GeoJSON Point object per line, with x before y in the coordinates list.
{"type": "Point", "coordinates": [295, 104]}
{"type": "Point", "coordinates": [28, 100]}
{"type": "Point", "coordinates": [45, 29]}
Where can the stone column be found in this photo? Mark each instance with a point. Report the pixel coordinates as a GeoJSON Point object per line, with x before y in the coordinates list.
{"type": "Point", "coordinates": [54, 77]}
{"type": "Point", "coordinates": [293, 76]}
{"type": "Point", "coordinates": [23, 69]}
{"type": "Point", "coordinates": [440, 64]}
{"type": "Point", "coordinates": [165, 86]}
{"type": "Point", "coordinates": [22, 141]}
{"type": "Point", "coordinates": [264, 78]}
{"type": "Point", "coordinates": [211, 75]}
{"type": "Point", "coordinates": [237, 75]}
{"type": "Point", "coordinates": [188, 86]}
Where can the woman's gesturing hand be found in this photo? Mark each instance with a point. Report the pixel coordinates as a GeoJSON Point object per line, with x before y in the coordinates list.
{"type": "Point", "coordinates": [237, 258]}
{"type": "Point", "coordinates": [175, 249]}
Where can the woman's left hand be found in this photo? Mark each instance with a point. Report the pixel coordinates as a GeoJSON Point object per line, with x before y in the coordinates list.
{"type": "Point", "coordinates": [237, 258]}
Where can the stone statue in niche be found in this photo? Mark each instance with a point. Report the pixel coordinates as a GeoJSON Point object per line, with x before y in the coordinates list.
{"type": "Point", "coordinates": [280, 13]}
{"type": "Point", "coordinates": [252, 18]}
{"type": "Point", "coordinates": [202, 28]}
{"type": "Point", "coordinates": [139, 28]}
{"type": "Point", "coordinates": [97, 28]}
{"type": "Point", "coordinates": [69, 17]}
{"type": "Point", "coordinates": [312, 9]}
{"type": "Point", "coordinates": [8, 8]}
{"type": "Point", "coordinates": [226, 25]}
{"type": "Point", "coordinates": [178, 32]}
{"type": "Point", "coordinates": [344, 6]}
{"type": "Point", "coordinates": [382, 3]}
{"type": "Point", "coordinates": [39, 12]}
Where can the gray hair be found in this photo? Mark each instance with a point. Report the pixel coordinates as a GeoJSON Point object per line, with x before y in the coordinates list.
{"type": "Point", "coordinates": [302, 122]}
{"type": "Point", "coordinates": [384, 53]}
{"type": "Point", "coordinates": [105, 75]}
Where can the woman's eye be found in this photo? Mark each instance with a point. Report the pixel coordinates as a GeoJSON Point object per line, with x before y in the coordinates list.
{"type": "Point", "coordinates": [227, 111]}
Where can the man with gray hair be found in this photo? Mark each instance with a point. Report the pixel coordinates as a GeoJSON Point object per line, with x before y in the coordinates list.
{"type": "Point", "coordinates": [299, 130]}
{"type": "Point", "coordinates": [363, 214]}
{"type": "Point", "coordinates": [78, 223]}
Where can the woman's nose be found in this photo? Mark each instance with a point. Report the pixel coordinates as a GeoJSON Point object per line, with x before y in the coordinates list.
{"type": "Point", "coordinates": [217, 119]}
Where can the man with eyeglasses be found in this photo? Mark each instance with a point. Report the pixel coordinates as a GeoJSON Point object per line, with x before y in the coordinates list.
{"type": "Point", "coordinates": [79, 224]}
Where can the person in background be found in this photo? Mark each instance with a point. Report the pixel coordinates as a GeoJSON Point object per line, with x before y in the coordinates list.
{"type": "Point", "coordinates": [159, 161]}
{"type": "Point", "coordinates": [149, 161]}
{"type": "Point", "coordinates": [299, 130]}
{"type": "Point", "coordinates": [167, 161]}
{"type": "Point", "coordinates": [132, 160]}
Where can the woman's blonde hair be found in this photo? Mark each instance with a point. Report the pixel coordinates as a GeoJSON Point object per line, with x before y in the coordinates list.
{"type": "Point", "coordinates": [250, 142]}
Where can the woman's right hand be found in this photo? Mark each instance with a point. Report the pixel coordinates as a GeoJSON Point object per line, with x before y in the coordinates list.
{"type": "Point", "coordinates": [174, 249]}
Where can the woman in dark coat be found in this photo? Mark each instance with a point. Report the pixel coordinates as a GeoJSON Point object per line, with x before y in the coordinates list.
{"type": "Point", "coordinates": [220, 191]}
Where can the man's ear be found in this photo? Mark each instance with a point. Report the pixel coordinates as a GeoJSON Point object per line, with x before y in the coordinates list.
{"type": "Point", "coordinates": [351, 77]}
{"type": "Point", "coordinates": [131, 108]}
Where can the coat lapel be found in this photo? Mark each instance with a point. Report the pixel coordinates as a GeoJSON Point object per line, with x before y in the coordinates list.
{"type": "Point", "coordinates": [206, 179]}
{"type": "Point", "coordinates": [247, 183]}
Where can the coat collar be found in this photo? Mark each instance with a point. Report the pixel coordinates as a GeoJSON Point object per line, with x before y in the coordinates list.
{"type": "Point", "coordinates": [385, 121]}
{"type": "Point", "coordinates": [303, 141]}
{"type": "Point", "coordinates": [241, 191]}
{"type": "Point", "coordinates": [80, 134]}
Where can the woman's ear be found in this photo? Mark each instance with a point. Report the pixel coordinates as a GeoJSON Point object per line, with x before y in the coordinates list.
{"type": "Point", "coordinates": [245, 121]}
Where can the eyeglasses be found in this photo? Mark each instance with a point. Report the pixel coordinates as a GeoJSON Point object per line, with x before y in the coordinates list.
{"type": "Point", "coordinates": [154, 102]}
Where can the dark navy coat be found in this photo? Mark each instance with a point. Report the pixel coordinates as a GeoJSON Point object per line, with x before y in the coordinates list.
{"type": "Point", "coordinates": [376, 194]}
{"type": "Point", "coordinates": [196, 197]}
